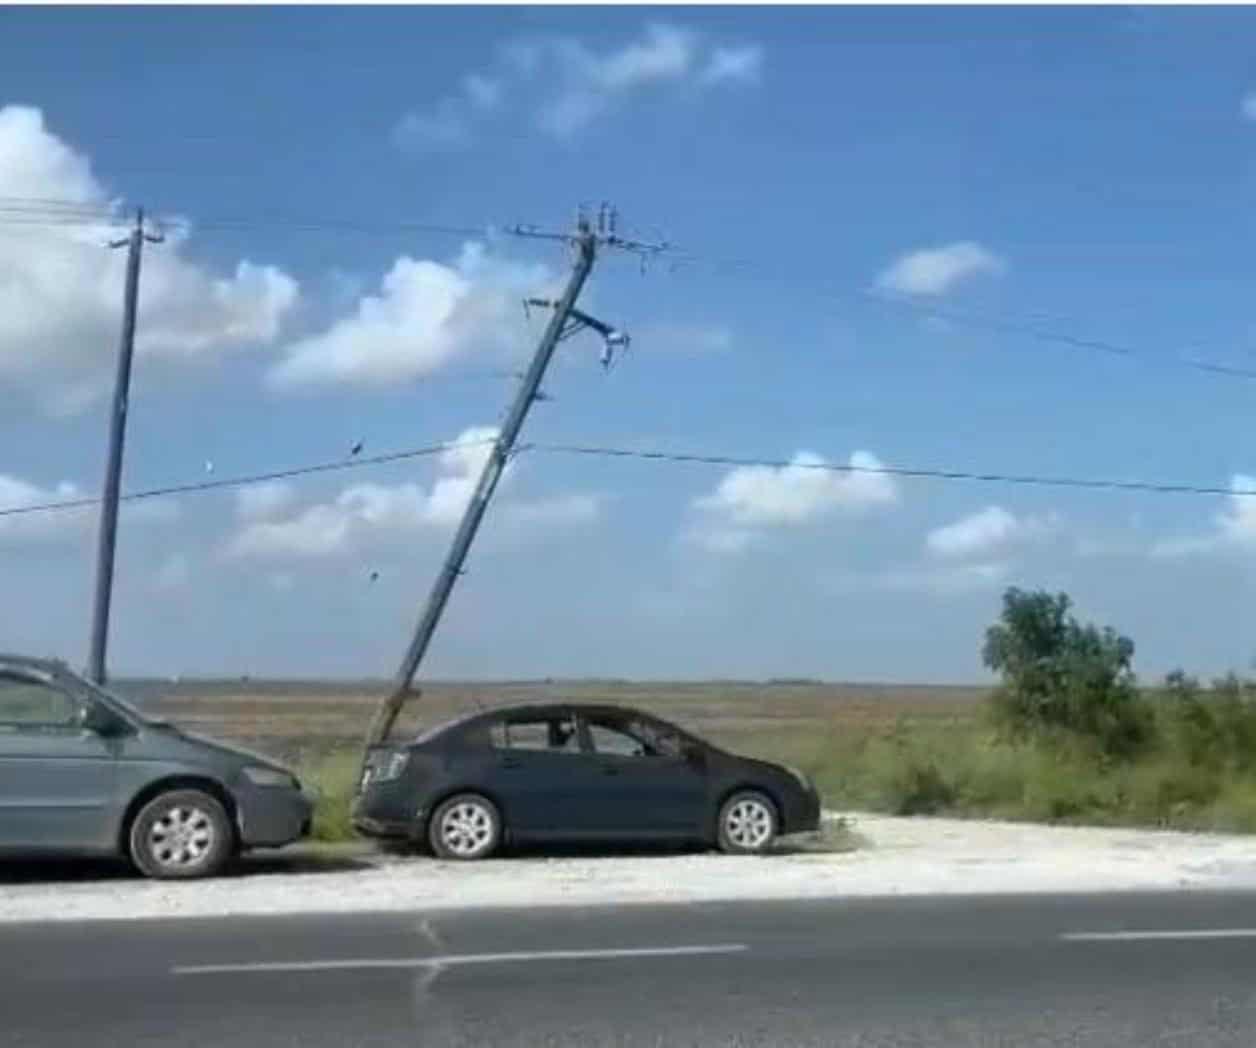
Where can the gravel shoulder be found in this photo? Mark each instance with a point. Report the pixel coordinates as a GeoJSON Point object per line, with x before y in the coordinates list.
{"type": "Point", "coordinates": [893, 856]}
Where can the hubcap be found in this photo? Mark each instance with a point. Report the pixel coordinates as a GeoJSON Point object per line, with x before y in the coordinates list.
{"type": "Point", "coordinates": [181, 837]}
{"type": "Point", "coordinates": [467, 828]}
{"type": "Point", "coordinates": [748, 824]}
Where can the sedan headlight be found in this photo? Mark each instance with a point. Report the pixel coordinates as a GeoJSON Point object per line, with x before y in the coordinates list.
{"type": "Point", "coordinates": [260, 775]}
{"type": "Point", "coordinates": [384, 767]}
{"type": "Point", "coordinates": [394, 766]}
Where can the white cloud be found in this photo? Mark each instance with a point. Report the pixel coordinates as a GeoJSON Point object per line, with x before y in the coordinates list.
{"type": "Point", "coordinates": [61, 287]}
{"type": "Point", "coordinates": [264, 501]}
{"type": "Point", "coordinates": [733, 65]}
{"type": "Point", "coordinates": [483, 92]}
{"type": "Point", "coordinates": [57, 524]}
{"type": "Point", "coordinates": [988, 530]}
{"type": "Point", "coordinates": [568, 84]}
{"type": "Point", "coordinates": [425, 315]}
{"type": "Point", "coordinates": [1248, 106]}
{"type": "Point", "coordinates": [1233, 528]}
{"type": "Point", "coordinates": [559, 511]}
{"type": "Point", "coordinates": [445, 126]}
{"type": "Point", "coordinates": [799, 492]}
{"type": "Point", "coordinates": [16, 493]}
{"type": "Point", "coordinates": [934, 271]}
{"type": "Point", "coordinates": [174, 572]}
{"type": "Point", "coordinates": [365, 513]}
{"type": "Point", "coordinates": [720, 539]}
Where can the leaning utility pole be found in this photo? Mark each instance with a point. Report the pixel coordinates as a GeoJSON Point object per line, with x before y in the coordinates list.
{"type": "Point", "coordinates": [108, 535]}
{"type": "Point", "coordinates": [565, 321]}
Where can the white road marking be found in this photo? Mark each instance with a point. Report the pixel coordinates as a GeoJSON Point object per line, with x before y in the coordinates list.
{"type": "Point", "coordinates": [1152, 936]}
{"type": "Point", "coordinates": [453, 960]}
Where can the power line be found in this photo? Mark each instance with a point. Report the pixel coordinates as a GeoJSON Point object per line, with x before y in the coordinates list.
{"type": "Point", "coordinates": [1004, 323]}
{"type": "Point", "coordinates": [892, 471]}
{"type": "Point", "coordinates": [49, 211]}
{"type": "Point", "coordinates": [246, 479]}
{"type": "Point", "coordinates": [676, 457]}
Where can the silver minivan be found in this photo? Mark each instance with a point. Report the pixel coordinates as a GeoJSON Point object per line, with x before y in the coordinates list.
{"type": "Point", "coordinates": [82, 772]}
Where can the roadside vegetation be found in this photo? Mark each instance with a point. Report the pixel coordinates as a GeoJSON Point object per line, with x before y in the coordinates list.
{"type": "Point", "coordinates": [1067, 736]}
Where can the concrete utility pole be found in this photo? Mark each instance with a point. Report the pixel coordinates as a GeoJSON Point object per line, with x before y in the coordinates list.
{"type": "Point", "coordinates": [565, 321]}
{"type": "Point", "coordinates": [108, 534]}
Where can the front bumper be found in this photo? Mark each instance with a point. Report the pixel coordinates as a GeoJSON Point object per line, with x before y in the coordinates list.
{"type": "Point", "coordinates": [270, 816]}
{"type": "Point", "coordinates": [384, 821]}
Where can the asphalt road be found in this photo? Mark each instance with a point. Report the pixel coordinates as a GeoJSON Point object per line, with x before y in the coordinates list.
{"type": "Point", "coordinates": [1163, 970]}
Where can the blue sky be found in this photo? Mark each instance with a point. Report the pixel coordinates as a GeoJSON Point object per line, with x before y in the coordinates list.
{"type": "Point", "coordinates": [875, 171]}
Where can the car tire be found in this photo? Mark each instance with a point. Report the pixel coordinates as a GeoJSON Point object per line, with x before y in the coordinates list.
{"type": "Point", "coordinates": [747, 823]}
{"type": "Point", "coordinates": [180, 835]}
{"type": "Point", "coordinates": [465, 827]}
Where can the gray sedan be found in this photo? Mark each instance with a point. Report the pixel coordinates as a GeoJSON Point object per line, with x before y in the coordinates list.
{"type": "Point", "coordinates": [84, 772]}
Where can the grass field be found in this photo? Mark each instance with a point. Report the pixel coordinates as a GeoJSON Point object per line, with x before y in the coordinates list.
{"type": "Point", "coordinates": [825, 729]}
{"type": "Point", "coordinates": [904, 750]}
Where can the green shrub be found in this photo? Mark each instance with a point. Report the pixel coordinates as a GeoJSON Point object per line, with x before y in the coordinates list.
{"type": "Point", "coordinates": [332, 778]}
{"type": "Point", "coordinates": [1061, 678]}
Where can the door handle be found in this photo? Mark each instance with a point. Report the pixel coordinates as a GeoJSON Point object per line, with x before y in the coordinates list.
{"type": "Point", "coordinates": [609, 769]}
{"type": "Point", "coordinates": [511, 762]}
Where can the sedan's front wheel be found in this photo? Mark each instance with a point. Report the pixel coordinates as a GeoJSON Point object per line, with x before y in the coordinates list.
{"type": "Point", "coordinates": [748, 823]}
{"type": "Point", "coordinates": [464, 827]}
{"type": "Point", "coordinates": [181, 834]}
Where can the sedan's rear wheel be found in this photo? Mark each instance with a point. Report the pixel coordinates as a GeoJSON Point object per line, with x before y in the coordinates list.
{"type": "Point", "coordinates": [747, 823]}
{"type": "Point", "coordinates": [181, 834]}
{"type": "Point", "coordinates": [465, 827]}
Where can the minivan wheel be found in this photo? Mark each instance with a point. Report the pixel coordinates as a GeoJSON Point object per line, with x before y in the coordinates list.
{"type": "Point", "coordinates": [181, 834]}
{"type": "Point", "coordinates": [747, 823]}
{"type": "Point", "coordinates": [465, 827]}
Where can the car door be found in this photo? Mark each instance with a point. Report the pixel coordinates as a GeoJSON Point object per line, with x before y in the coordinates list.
{"type": "Point", "coordinates": [57, 779]}
{"type": "Point", "coordinates": [541, 775]}
{"type": "Point", "coordinates": [646, 785]}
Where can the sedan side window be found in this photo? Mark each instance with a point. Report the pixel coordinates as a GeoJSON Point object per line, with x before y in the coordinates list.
{"type": "Point", "coordinates": [546, 734]}
{"type": "Point", "coordinates": [634, 738]}
{"type": "Point", "coordinates": [28, 702]}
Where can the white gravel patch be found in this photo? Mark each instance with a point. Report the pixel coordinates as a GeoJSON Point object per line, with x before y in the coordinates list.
{"type": "Point", "coordinates": [918, 856]}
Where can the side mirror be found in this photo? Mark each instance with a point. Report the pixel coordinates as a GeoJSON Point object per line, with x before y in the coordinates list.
{"type": "Point", "coordinates": [96, 718]}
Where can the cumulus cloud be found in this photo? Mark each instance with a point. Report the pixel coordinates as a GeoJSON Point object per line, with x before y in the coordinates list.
{"type": "Point", "coordinates": [365, 513]}
{"type": "Point", "coordinates": [935, 271]}
{"type": "Point", "coordinates": [988, 530]}
{"type": "Point", "coordinates": [1233, 529]}
{"type": "Point", "coordinates": [265, 500]}
{"type": "Point", "coordinates": [808, 488]}
{"type": "Point", "coordinates": [568, 84]}
{"type": "Point", "coordinates": [60, 524]}
{"type": "Point", "coordinates": [733, 65]}
{"type": "Point", "coordinates": [425, 315]}
{"type": "Point", "coordinates": [61, 287]}
{"type": "Point", "coordinates": [174, 572]}
{"type": "Point", "coordinates": [801, 491]}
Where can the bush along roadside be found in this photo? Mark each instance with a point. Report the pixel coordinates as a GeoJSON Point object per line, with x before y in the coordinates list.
{"type": "Point", "coordinates": [1067, 736]}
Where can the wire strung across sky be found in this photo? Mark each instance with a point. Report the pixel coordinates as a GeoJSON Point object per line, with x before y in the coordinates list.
{"type": "Point", "coordinates": [245, 480]}
{"type": "Point", "coordinates": [43, 211]}
{"type": "Point", "coordinates": [673, 457]}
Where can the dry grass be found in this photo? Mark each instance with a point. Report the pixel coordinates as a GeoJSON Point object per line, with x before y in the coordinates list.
{"type": "Point", "coordinates": [318, 726]}
{"type": "Point", "coordinates": [303, 721]}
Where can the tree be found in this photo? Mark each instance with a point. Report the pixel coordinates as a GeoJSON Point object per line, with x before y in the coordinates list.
{"type": "Point", "coordinates": [1062, 679]}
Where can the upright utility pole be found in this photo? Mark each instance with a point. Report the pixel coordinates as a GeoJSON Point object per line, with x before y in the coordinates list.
{"type": "Point", "coordinates": [565, 321]}
{"type": "Point", "coordinates": [108, 533]}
